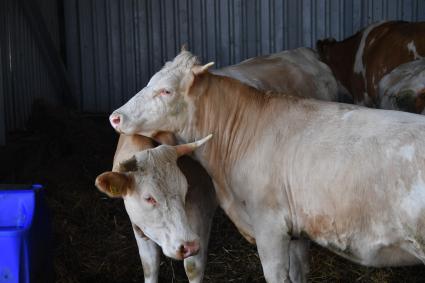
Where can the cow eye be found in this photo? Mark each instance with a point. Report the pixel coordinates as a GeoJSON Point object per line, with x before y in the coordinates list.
{"type": "Point", "coordinates": [150, 199]}
{"type": "Point", "coordinates": [165, 92]}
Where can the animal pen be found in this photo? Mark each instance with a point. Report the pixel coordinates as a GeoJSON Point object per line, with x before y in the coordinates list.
{"type": "Point", "coordinates": [65, 65]}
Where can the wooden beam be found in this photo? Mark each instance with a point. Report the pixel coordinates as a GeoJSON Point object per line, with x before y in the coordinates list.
{"type": "Point", "coordinates": [48, 51]}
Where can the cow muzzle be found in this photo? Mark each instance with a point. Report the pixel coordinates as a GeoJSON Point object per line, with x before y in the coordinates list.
{"type": "Point", "coordinates": [116, 120]}
{"type": "Point", "coordinates": [188, 249]}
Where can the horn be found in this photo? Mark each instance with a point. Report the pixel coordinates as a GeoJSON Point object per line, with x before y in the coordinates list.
{"type": "Point", "coordinates": [187, 148]}
{"type": "Point", "coordinates": [197, 69]}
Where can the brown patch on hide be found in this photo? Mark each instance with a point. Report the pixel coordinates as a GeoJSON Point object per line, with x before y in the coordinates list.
{"type": "Point", "coordinates": [128, 165]}
{"type": "Point", "coordinates": [378, 58]}
{"type": "Point", "coordinates": [127, 147]}
{"type": "Point", "coordinates": [319, 225]}
{"type": "Point", "coordinates": [271, 199]}
{"type": "Point", "coordinates": [141, 142]}
{"type": "Point", "coordinates": [165, 138]}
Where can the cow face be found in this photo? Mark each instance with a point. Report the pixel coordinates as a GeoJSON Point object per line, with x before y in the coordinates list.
{"type": "Point", "coordinates": [323, 48]}
{"type": "Point", "coordinates": [160, 106]}
{"type": "Point", "coordinates": [154, 191]}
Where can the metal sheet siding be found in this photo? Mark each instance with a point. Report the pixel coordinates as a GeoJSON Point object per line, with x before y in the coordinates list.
{"type": "Point", "coordinates": [24, 73]}
{"type": "Point", "coordinates": [115, 46]}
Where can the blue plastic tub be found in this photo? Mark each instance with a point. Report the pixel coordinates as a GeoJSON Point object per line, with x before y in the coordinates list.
{"type": "Point", "coordinates": [24, 235]}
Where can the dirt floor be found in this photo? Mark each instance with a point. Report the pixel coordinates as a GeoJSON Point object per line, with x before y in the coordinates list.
{"type": "Point", "coordinates": [93, 239]}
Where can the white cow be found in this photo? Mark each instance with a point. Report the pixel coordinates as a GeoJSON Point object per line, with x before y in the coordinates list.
{"type": "Point", "coordinates": [404, 88]}
{"type": "Point", "coordinates": [148, 209]}
{"type": "Point", "coordinates": [296, 71]}
{"type": "Point", "coordinates": [347, 177]}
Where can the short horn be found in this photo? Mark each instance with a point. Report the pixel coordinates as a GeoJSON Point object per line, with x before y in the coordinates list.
{"type": "Point", "coordinates": [187, 148]}
{"type": "Point", "coordinates": [198, 69]}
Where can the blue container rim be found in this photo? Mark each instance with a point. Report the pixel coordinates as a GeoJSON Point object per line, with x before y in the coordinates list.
{"type": "Point", "coordinates": [21, 187]}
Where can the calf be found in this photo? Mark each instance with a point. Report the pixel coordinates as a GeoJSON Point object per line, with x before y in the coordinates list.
{"type": "Point", "coordinates": [404, 88]}
{"type": "Point", "coordinates": [360, 61]}
{"type": "Point", "coordinates": [157, 221]}
{"type": "Point", "coordinates": [347, 177]}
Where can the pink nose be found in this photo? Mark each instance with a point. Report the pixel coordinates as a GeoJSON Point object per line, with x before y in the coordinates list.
{"type": "Point", "coordinates": [189, 248]}
{"type": "Point", "coordinates": [115, 120]}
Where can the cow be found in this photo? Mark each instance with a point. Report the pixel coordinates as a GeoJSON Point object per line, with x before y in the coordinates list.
{"type": "Point", "coordinates": [298, 71]}
{"type": "Point", "coordinates": [147, 208]}
{"type": "Point", "coordinates": [295, 71]}
{"type": "Point", "coordinates": [404, 88]}
{"type": "Point", "coordinates": [347, 177]}
{"type": "Point", "coordinates": [360, 61]}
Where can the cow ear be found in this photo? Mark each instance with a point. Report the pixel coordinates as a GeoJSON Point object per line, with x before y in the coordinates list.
{"type": "Point", "coordinates": [187, 82]}
{"type": "Point", "coordinates": [187, 148]}
{"type": "Point", "coordinates": [114, 184]}
{"type": "Point", "coordinates": [198, 69]}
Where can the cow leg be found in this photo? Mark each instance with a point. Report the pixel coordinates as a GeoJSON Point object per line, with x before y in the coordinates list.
{"type": "Point", "coordinates": [150, 255]}
{"type": "Point", "coordinates": [415, 248]}
{"type": "Point", "coordinates": [299, 260]}
{"type": "Point", "coordinates": [195, 266]}
{"type": "Point", "coordinates": [273, 248]}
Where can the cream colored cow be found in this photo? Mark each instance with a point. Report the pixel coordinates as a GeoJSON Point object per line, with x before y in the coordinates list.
{"type": "Point", "coordinates": [347, 177]}
{"type": "Point", "coordinates": [181, 226]}
{"type": "Point", "coordinates": [295, 71]}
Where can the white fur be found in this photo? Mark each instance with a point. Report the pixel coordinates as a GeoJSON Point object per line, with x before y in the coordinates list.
{"type": "Point", "coordinates": [407, 152]}
{"type": "Point", "coordinates": [412, 48]}
{"type": "Point", "coordinates": [414, 202]}
{"type": "Point", "coordinates": [358, 61]}
{"type": "Point", "coordinates": [406, 77]}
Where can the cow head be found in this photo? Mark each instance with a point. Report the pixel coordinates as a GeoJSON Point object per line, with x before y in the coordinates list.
{"type": "Point", "coordinates": [154, 190]}
{"type": "Point", "coordinates": [404, 88]}
{"type": "Point", "coordinates": [323, 48]}
{"type": "Point", "coordinates": [160, 106]}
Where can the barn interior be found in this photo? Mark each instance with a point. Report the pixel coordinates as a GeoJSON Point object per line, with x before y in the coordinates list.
{"type": "Point", "coordinates": [65, 65]}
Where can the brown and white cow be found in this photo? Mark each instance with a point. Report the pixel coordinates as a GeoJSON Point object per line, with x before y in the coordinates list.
{"type": "Point", "coordinates": [139, 167]}
{"type": "Point", "coordinates": [404, 88]}
{"type": "Point", "coordinates": [349, 178]}
{"type": "Point", "coordinates": [360, 61]}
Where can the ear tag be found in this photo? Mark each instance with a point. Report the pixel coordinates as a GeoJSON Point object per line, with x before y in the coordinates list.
{"type": "Point", "coordinates": [114, 190]}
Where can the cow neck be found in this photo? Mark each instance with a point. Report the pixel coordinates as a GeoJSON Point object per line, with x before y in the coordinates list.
{"type": "Point", "coordinates": [226, 108]}
{"type": "Point", "coordinates": [342, 59]}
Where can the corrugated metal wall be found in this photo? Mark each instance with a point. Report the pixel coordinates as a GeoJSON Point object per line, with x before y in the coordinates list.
{"type": "Point", "coordinates": [24, 72]}
{"type": "Point", "coordinates": [115, 46]}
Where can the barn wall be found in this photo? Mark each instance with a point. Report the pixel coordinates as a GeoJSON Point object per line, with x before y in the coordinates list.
{"type": "Point", "coordinates": [29, 39]}
{"type": "Point", "coordinates": [115, 46]}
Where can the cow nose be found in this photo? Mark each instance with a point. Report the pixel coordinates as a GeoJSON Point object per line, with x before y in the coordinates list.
{"type": "Point", "coordinates": [189, 248]}
{"type": "Point", "coordinates": [115, 120]}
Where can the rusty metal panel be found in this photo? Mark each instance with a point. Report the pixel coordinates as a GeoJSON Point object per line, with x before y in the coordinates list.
{"type": "Point", "coordinates": [120, 44]}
